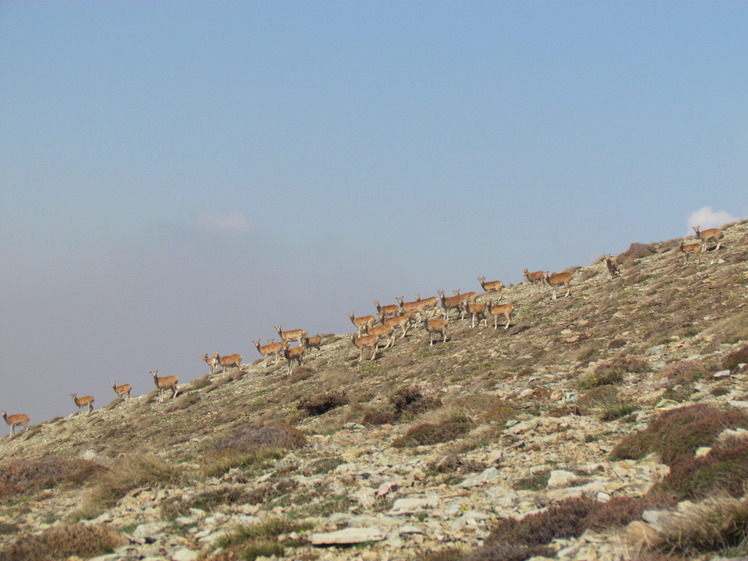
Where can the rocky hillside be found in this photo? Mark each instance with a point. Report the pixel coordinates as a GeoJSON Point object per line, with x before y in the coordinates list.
{"type": "Point", "coordinates": [606, 425]}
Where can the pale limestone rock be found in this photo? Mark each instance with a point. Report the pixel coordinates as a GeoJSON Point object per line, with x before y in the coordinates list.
{"type": "Point", "coordinates": [348, 536]}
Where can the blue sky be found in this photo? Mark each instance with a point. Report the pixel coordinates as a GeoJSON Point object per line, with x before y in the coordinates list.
{"type": "Point", "coordinates": [178, 177]}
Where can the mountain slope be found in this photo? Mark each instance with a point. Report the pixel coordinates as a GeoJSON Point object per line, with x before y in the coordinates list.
{"type": "Point", "coordinates": [489, 425]}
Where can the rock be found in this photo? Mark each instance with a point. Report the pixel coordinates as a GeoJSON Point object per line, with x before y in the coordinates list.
{"type": "Point", "coordinates": [561, 478]}
{"type": "Point", "coordinates": [185, 554]}
{"type": "Point", "coordinates": [348, 536]}
{"type": "Point", "coordinates": [412, 506]}
{"type": "Point", "coordinates": [476, 479]}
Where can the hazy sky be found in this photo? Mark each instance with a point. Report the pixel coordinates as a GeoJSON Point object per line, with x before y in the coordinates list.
{"type": "Point", "coordinates": [177, 178]}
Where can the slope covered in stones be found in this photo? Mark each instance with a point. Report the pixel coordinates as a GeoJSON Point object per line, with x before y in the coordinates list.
{"type": "Point", "coordinates": [423, 452]}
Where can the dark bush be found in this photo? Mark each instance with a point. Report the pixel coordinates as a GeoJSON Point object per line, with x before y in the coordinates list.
{"type": "Point", "coordinates": [456, 465]}
{"type": "Point", "coordinates": [23, 476]}
{"type": "Point", "coordinates": [685, 371]}
{"type": "Point", "coordinates": [322, 403]}
{"type": "Point", "coordinates": [735, 358]}
{"type": "Point", "coordinates": [565, 520]}
{"type": "Point", "coordinates": [379, 417]}
{"type": "Point", "coordinates": [620, 511]}
{"type": "Point", "coordinates": [680, 432]}
{"type": "Point", "coordinates": [722, 471]}
{"type": "Point", "coordinates": [409, 399]}
{"type": "Point", "coordinates": [507, 552]}
{"type": "Point", "coordinates": [434, 433]}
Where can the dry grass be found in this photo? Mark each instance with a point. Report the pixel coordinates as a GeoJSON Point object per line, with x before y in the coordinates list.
{"type": "Point", "coordinates": [25, 476]}
{"type": "Point", "coordinates": [714, 525]}
{"type": "Point", "coordinates": [62, 542]}
{"type": "Point", "coordinates": [129, 471]}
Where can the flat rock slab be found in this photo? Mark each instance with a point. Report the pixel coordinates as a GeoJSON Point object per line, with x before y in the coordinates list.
{"type": "Point", "coordinates": [348, 536]}
{"type": "Point", "coordinates": [413, 506]}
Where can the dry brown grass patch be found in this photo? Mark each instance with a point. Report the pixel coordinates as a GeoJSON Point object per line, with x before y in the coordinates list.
{"type": "Point", "coordinates": [62, 542]}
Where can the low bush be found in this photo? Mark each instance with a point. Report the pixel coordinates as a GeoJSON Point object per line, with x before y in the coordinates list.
{"type": "Point", "coordinates": [680, 432]}
{"type": "Point", "coordinates": [613, 372]}
{"type": "Point", "coordinates": [130, 471]}
{"type": "Point", "coordinates": [61, 542]}
{"type": "Point", "coordinates": [434, 433]}
{"type": "Point", "coordinates": [410, 400]}
{"type": "Point", "coordinates": [565, 520]}
{"type": "Point", "coordinates": [251, 438]}
{"type": "Point", "coordinates": [733, 360]}
{"type": "Point", "coordinates": [262, 540]}
{"type": "Point", "coordinates": [322, 403]}
{"type": "Point", "coordinates": [723, 471]}
{"type": "Point", "coordinates": [714, 525]}
{"type": "Point", "coordinates": [24, 476]}
{"type": "Point", "coordinates": [685, 371]}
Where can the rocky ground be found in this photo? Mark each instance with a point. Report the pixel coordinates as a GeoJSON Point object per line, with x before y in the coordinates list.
{"type": "Point", "coordinates": [416, 453]}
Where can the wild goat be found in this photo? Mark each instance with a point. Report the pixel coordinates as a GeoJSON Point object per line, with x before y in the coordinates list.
{"type": "Point", "coordinates": [293, 354]}
{"type": "Point", "coordinates": [86, 400]}
{"type": "Point", "coordinates": [165, 383]}
{"type": "Point", "coordinates": [362, 323]}
{"type": "Point", "coordinates": [386, 311]}
{"type": "Point", "coordinates": [476, 310]}
{"type": "Point", "coordinates": [491, 286]}
{"type": "Point", "coordinates": [15, 420]}
{"type": "Point", "coordinates": [402, 321]}
{"type": "Point", "coordinates": [612, 265]}
{"type": "Point", "coordinates": [366, 341]}
{"type": "Point", "coordinates": [269, 350]}
{"type": "Point", "coordinates": [124, 389]}
{"type": "Point", "coordinates": [434, 326]}
{"type": "Point", "coordinates": [696, 248]}
{"type": "Point", "coordinates": [497, 310]}
{"type": "Point", "coordinates": [290, 335]}
{"type": "Point", "coordinates": [211, 362]}
{"type": "Point", "coordinates": [429, 303]}
{"type": "Point", "coordinates": [412, 307]}
{"type": "Point", "coordinates": [386, 331]}
{"type": "Point", "coordinates": [557, 279]}
{"type": "Point", "coordinates": [229, 360]}
{"type": "Point", "coordinates": [313, 342]}
{"type": "Point", "coordinates": [536, 277]}
{"type": "Point", "coordinates": [712, 233]}
{"type": "Point", "coordinates": [450, 303]}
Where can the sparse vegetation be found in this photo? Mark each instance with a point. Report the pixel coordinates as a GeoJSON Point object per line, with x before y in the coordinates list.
{"type": "Point", "coordinates": [322, 403]}
{"type": "Point", "coordinates": [61, 542]}
{"type": "Point", "coordinates": [434, 433]}
{"type": "Point", "coordinates": [334, 443]}
{"type": "Point", "coordinates": [679, 432]}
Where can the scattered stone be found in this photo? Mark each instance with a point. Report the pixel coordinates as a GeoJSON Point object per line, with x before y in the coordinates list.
{"type": "Point", "coordinates": [348, 536]}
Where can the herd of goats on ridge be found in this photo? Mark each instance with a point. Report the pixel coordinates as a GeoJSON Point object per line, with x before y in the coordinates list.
{"type": "Point", "coordinates": [401, 316]}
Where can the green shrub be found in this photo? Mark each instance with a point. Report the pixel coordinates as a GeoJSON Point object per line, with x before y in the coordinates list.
{"type": "Point", "coordinates": [535, 482]}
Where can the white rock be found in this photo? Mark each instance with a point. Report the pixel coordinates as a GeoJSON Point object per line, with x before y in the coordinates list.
{"type": "Point", "coordinates": [184, 554]}
{"type": "Point", "coordinates": [412, 506]}
{"type": "Point", "coordinates": [561, 478]}
{"type": "Point", "coordinates": [348, 536]}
